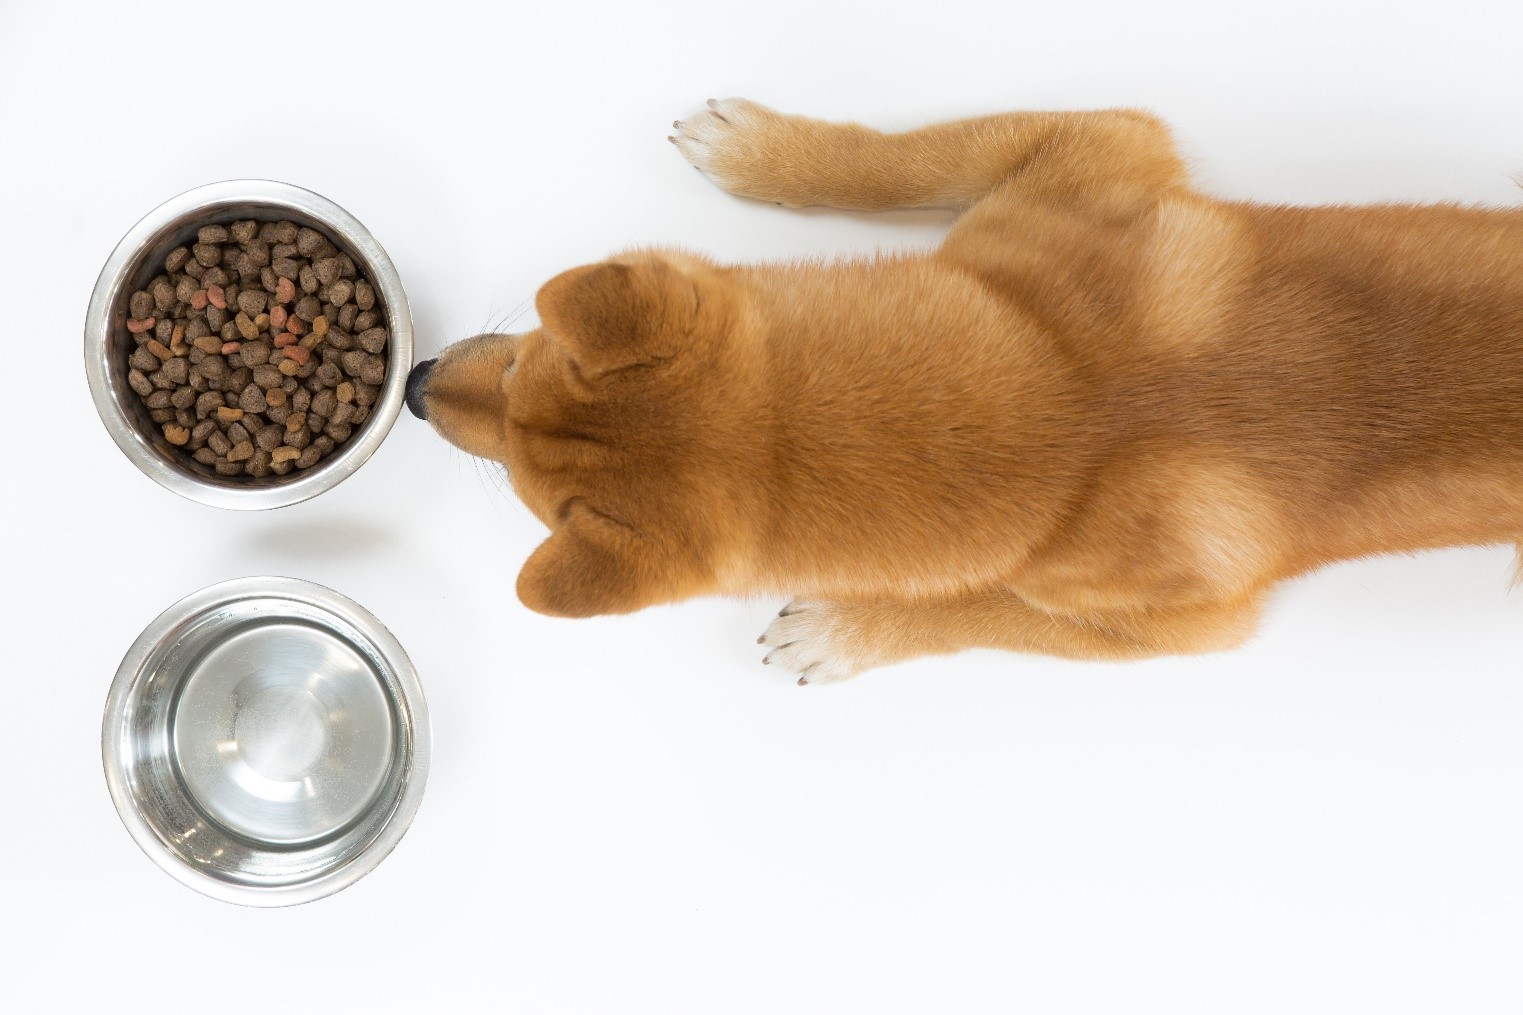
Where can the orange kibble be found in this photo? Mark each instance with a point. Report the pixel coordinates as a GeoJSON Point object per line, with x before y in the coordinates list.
{"type": "Point", "coordinates": [141, 325]}
{"type": "Point", "coordinates": [198, 301]}
{"type": "Point", "coordinates": [229, 413]}
{"type": "Point", "coordinates": [295, 325]}
{"type": "Point", "coordinates": [159, 349]}
{"type": "Point", "coordinates": [228, 348]}
{"type": "Point", "coordinates": [297, 353]}
{"type": "Point", "coordinates": [216, 297]}
{"type": "Point", "coordinates": [278, 318]}
{"type": "Point", "coordinates": [285, 291]}
{"type": "Point", "coordinates": [284, 339]}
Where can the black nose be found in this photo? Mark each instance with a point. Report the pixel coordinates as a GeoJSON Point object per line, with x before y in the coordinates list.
{"type": "Point", "coordinates": [416, 382]}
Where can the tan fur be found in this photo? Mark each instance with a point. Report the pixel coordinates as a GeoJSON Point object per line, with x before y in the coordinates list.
{"type": "Point", "coordinates": [1100, 421]}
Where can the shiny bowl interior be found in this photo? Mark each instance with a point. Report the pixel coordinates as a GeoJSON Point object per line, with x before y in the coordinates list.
{"type": "Point", "coordinates": [139, 257]}
{"type": "Point", "coordinates": [266, 741]}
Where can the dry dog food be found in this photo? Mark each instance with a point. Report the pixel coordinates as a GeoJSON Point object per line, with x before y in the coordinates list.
{"type": "Point", "coordinates": [259, 350]}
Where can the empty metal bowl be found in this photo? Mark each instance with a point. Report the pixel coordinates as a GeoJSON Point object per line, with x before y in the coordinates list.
{"type": "Point", "coordinates": [139, 257]}
{"type": "Point", "coordinates": [266, 741]}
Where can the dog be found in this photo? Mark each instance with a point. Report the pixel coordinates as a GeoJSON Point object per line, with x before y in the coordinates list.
{"type": "Point", "coordinates": [1100, 421]}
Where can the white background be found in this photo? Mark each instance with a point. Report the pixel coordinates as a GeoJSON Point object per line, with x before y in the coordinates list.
{"type": "Point", "coordinates": [631, 814]}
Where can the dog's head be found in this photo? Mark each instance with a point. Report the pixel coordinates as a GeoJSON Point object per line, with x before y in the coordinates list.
{"type": "Point", "coordinates": [617, 422]}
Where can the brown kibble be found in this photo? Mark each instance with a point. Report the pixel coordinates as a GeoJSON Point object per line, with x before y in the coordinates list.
{"type": "Point", "coordinates": [255, 354]}
{"type": "Point", "coordinates": [245, 231]}
{"type": "Point", "coordinates": [251, 399]}
{"type": "Point", "coordinates": [307, 241]}
{"type": "Point", "coordinates": [183, 398]}
{"type": "Point", "coordinates": [270, 437]}
{"type": "Point", "coordinates": [137, 327]}
{"type": "Point", "coordinates": [176, 259]}
{"type": "Point", "coordinates": [364, 295]}
{"type": "Point", "coordinates": [327, 270]}
{"type": "Point", "coordinates": [372, 340]}
{"type": "Point", "coordinates": [289, 367]}
{"type": "Point", "coordinates": [285, 268]}
{"type": "Point", "coordinates": [285, 453]}
{"type": "Point", "coordinates": [139, 382]}
{"type": "Point", "coordinates": [340, 292]}
{"type": "Point", "coordinates": [157, 400]}
{"type": "Point", "coordinates": [309, 456]}
{"type": "Point", "coordinates": [344, 392]}
{"type": "Point", "coordinates": [258, 464]}
{"type": "Point", "coordinates": [212, 234]}
{"type": "Point", "coordinates": [208, 255]}
{"type": "Point", "coordinates": [229, 414]}
{"type": "Point", "coordinates": [176, 434]}
{"type": "Point", "coordinates": [216, 296]}
{"type": "Point", "coordinates": [251, 302]}
{"type": "Point", "coordinates": [366, 319]}
{"type": "Point", "coordinates": [227, 467]}
{"type": "Point", "coordinates": [163, 295]}
{"type": "Point", "coordinates": [208, 344]}
{"type": "Point", "coordinates": [308, 279]}
{"type": "Point", "coordinates": [308, 307]}
{"type": "Point", "coordinates": [322, 402]}
{"type": "Point", "coordinates": [177, 370]}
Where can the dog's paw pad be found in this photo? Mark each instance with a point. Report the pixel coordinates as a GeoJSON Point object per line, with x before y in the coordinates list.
{"type": "Point", "coordinates": [809, 638]}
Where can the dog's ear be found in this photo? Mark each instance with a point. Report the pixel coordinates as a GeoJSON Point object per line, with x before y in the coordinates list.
{"type": "Point", "coordinates": [592, 565]}
{"type": "Point", "coordinates": [613, 315]}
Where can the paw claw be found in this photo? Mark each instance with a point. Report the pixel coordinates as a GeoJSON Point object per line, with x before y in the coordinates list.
{"type": "Point", "coordinates": [803, 682]}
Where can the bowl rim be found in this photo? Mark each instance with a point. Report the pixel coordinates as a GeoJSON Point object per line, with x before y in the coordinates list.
{"type": "Point", "coordinates": [131, 672]}
{"type": "Point", "coordinates": [113, 280]}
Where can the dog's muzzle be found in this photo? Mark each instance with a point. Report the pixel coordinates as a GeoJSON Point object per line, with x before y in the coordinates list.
{"type": "Point", "coordinates": [416, 382]}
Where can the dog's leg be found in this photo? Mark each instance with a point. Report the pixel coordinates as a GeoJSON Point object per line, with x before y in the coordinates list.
{"type": "Point", "coordinates": [1100, 157]}
{"type": "Point", "coordinates": [826, 641]}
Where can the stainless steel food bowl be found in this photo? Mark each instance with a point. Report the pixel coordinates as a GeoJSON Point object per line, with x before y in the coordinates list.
{"type": "Point", "coordinates": [140, 256]}
{"type": "Point", "coordinates": [266, 741]}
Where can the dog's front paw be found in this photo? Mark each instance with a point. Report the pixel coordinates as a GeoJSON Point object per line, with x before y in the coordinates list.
{"type": "Point", "coordinates": [818, 641]}
{"type": "Point", "coordinates": [739, 145]}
